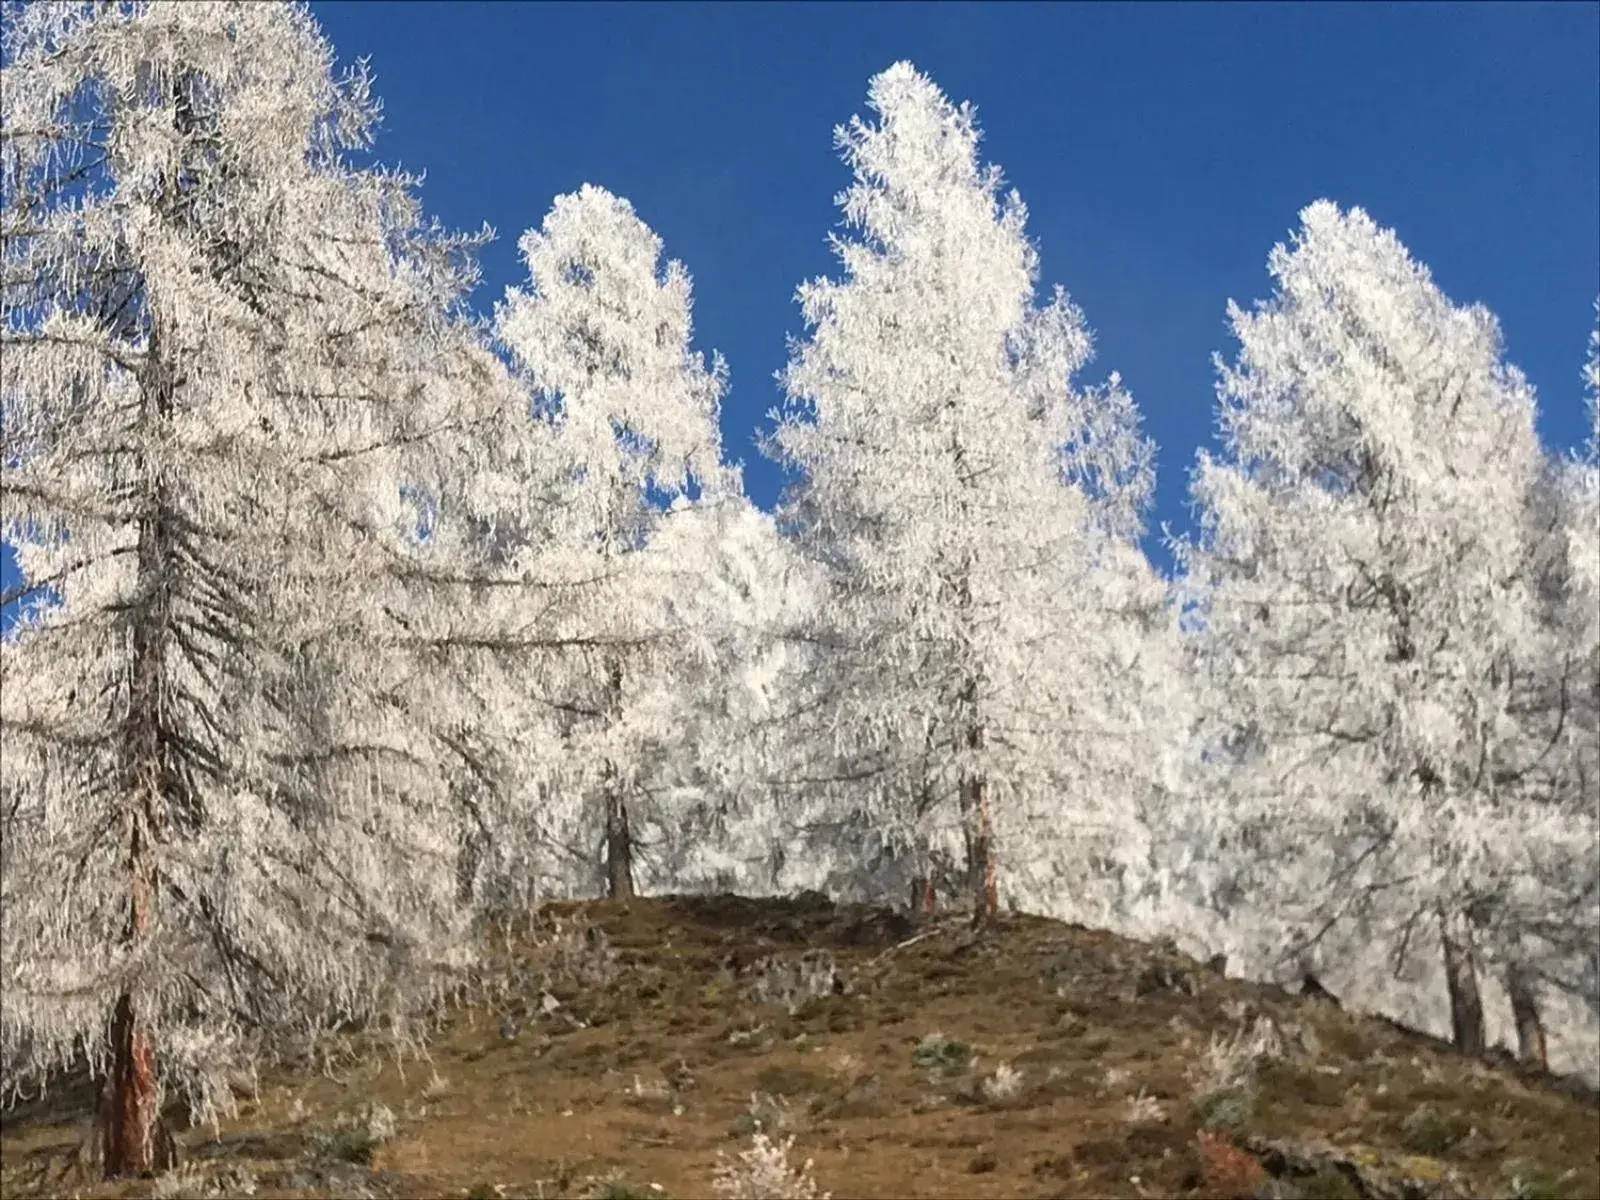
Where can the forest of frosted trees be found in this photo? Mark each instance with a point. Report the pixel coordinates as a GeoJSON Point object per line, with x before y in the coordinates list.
{"type": "Point", "coordinates": [351, 620]}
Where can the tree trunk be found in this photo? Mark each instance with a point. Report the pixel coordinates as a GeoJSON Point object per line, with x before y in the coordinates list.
{"type": "Point", "coordinates": [1461, 977]}
{"type": "Point", "coordinates": [974, 796]}
{"type": "Point", "coordinates": [1525, 1011]}
{"type": "Point", "coordinates": [619, 847]}
{"type": "Point", "coordinates": [133, 1140]}
{"type": "Point", "coordinates": [973, 788]}
{"type": "Point", "coordinates": [980, 849]}
{"type": "Point", "coordinates": [619, 839]}
{"type": "Point", "coordinates": [985, 889]}
{"type": "Point", "coordinates": [469, 854]}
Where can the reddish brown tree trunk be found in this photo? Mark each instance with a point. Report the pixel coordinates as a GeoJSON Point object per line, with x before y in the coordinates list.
{"type": "Point", "coordinates": [131, 1136]}
{"type": "Point", "coordinates": [1525, 1011]}
{"type": "Point", "coordinates": [1461, 977]}
{"type": "Point", "coordinates": [133, 1140]}
{"type": "Point", "coordinates": [923, 898]}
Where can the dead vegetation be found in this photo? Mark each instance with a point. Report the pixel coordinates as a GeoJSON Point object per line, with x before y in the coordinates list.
{"type": "Point", "coordinates": [724, 1046]}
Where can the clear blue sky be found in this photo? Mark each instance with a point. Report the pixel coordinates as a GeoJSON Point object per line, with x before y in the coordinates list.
{"type": "Point", "coordinates": [1162, 149]}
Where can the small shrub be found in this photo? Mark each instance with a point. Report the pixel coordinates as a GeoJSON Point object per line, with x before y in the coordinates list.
{"type": "Point", "coordinates": [1229, 1108]}
{"type": "Point", "coordinates": [789, 983]}
{"type": "Point", "coordinates": [766, 1114]}
{"type": "Point", "coordinates": [645, 1091]}
{"type": "Point", "coordinates": [1224, 1081]}
{"type": "Point", "coordinates": [939, 1055]}
{"type": "Point", "coordinates": [1428, 1131]}
{"type": "Point", "coordinates": [1143, 1110]}
{"type": "Point", "coordinates": [346, 1145]}
{"type": "Point", "coordinates": [614, 1186]}
{"type": "Point", "coordinates": [1004, 1085]}
{"type": "Point", "coordinates": [191, 1182]}
{"type": "Point", "coordinates": [563, 1173]}
{"type": "Point", "coordinates": [1071, 1024]}
{"type": "Point", "coordinates": [1232, 1061]}
{"type": "Point", "coordinates": [436, 1088]}
{"type": "Point", "coordinates": [763, 1173]}
{"type": "Point", "coordinates": [1527, 1179]}
{"type": "Point", "coordinates": [844, 1065]}
{"type": "Point", "coordinates": [984, 1162]}
{"type": "Point", "coordinates": [381, 1126]}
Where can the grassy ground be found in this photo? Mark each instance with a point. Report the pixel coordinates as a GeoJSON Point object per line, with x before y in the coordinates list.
{"type": "Point", "coordinates": [635, 1051]}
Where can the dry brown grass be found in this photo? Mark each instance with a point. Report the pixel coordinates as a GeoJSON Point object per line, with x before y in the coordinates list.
{"type": "Point", "coordinates": [1038, 1060]}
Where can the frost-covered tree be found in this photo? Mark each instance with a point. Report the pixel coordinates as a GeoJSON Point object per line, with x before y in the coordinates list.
{"type": "Point", "coordinates": [1371, 615]}
{"type": "Point", "coordinates": [220, 346]}
{"type": "Point", "coordinates": [1550, 952]}
{"type": "Point", "coordinates": [970, 507]}
{"type": "Point", "coordinates": [717, 703]}
{"type": "Point", "coordinates": [603, 337]}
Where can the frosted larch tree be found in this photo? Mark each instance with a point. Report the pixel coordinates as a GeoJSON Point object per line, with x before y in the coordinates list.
{"type": "Point", "coordinates": [1368, 607]}
{"type": "Point", "coordinates": [603, 335]}
{"type": "Point", "coordinates": [1544, 920]}
{"type": "Point", "coordinates": [722, 571]}
{"type": "Point", "coordinates": [219, 342]}
{"type": "Point", "coordinates": [960, 493]}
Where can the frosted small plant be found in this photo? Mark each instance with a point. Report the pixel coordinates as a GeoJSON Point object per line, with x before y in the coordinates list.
{"type": "Point", "coordinates": [1003, 1085]}
{"type": "Point", "coordinates": [844, 1065]}
{"type": "Point", "coordinates": [763, 1173]}
{"type": "Point", "coordinates": [180, 1184]}
{"type": "Point", "coordinates": [651, 1089]}
{"type": "Point", "coordinates": [1143, 1110]}
{"type": "Point", "coordinates": [1231, 1062]}
{"type": "Point", "coordinates": [580, 954]}
{"type": "Point", "coordinates": [1115, 1077]}
{"type": "Point", "coordinates": [1301, 1041]}
{"type": "Point", "coordinates": [381, 1126]}
{"type": "Point", "coordinates": [1224, 1080]}
{"type": "Point", "coordinates": [765, 1114]}
{"type": "Point", "coordinates": [1236, 1010]}
{"type": "Point", "coordinates": [790, 982]}
{"type": "Point", "coordinates": [436, 1087]}
{"type": "Point", "coordinates": [190, 1182]}
{"type": "Point", "coordinates": [604, 1187]}
{"type": "Point", "coordinates": [938, 1055]}
{"type": "Point", "coordinates": [1266, 1041]}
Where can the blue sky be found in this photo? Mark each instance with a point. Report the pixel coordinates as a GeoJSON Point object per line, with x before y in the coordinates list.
{"type": "Point", "coordinates": [1161, 148]}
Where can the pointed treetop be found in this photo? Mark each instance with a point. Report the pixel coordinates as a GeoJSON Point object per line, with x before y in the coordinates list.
{"type": "Point", "coordinates": [604, 335]}
{"type": "Point", "coordinates": [1358, 351]}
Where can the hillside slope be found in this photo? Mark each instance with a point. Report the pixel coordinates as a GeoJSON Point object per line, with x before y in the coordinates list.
{"type": "Point", "coordinates": [633, 1051]}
